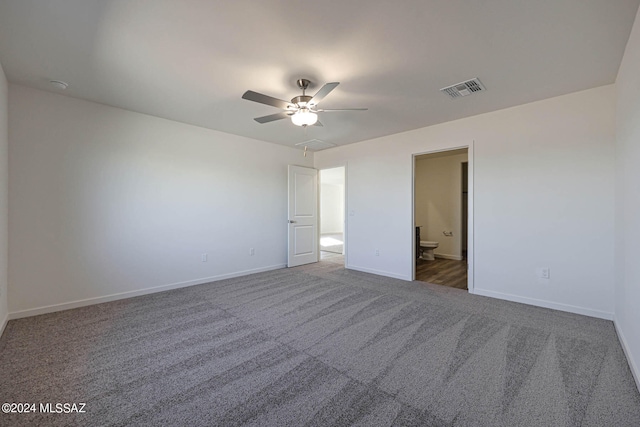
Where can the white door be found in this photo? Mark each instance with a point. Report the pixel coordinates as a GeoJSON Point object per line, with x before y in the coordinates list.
{"type": "Point", "coordinates": [303, 216]}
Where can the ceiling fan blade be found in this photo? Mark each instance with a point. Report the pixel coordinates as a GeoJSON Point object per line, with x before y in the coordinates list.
{"type": "Point", "coordinates": [273, 117]}
{"type": "Point", "coordinates": [265, 99]}
{"type": "Point", "coordinates": [341, 109]}
{"type": "Point", "coordinates": [324, 91]}
{"type": "Point", "coordinates": [318, 124]}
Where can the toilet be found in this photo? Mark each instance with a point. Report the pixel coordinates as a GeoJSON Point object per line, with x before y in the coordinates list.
{"type": "Point", "coordinates": [426, 249]}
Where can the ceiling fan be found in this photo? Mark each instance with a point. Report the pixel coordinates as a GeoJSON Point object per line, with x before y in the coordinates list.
{"type": "Point", "coordinates": [303, 109]}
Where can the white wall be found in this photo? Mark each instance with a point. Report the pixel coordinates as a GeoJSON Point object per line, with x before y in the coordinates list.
{"type": "Point", "coordinates": [543, 184]}
{"type": "Point", "coordinates": [4, 191]}
{"type": "Point", "coordinates": [105, 201]}
{"type": "Point", "coordinates": [627, 301]}
{"type": "Point", "coordinates": [438, 202]}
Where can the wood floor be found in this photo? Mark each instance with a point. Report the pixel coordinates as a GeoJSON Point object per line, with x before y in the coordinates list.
{"type": "Point", "coordinates": [446, 272]}
{"type": "Point", "coordinates": [440, 271]}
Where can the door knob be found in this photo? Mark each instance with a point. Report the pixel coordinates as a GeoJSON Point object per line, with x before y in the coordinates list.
{"type": "Point", "coordinates": [291, 222]}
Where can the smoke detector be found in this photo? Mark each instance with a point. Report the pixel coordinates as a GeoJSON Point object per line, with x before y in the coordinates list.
{"type": "Point", "coordinates": [58, 84]}
{"type": "Point", "coordinates": [465, 88]}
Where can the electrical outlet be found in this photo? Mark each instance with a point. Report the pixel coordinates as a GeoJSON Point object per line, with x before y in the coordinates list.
{"type": "Point", "coordinates": [252, 252]}
{"type": "Point", "coordinates": [377, 252]}
{"type": "Point", "coordinates": [205, 257]}
{"type": "Point", "coordinates": [544, 273]}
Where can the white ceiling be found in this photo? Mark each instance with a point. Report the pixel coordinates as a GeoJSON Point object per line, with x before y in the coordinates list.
{"type": "Point", "coordinates": [191, 60]}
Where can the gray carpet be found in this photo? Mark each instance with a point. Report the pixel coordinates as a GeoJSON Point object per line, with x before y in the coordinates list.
{"type": "Point", "coordinates": [318, 345]}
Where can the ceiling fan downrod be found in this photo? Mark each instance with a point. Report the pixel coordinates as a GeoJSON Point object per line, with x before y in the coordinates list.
{"type": "Point", "coordinates": [301, 101]}
{"type": "Point", "coordinates": [303, 84]}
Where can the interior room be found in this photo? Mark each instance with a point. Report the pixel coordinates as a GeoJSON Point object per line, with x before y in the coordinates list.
{"type": "Point", "coordinates": [332, 208]}
{"type": "Point", "coordinates": [441, 217]}
{"type": "Point", "coordinates": [148, 216]}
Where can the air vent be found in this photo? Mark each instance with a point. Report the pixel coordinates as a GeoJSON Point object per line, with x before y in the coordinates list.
{"type": "Point", "coordinates": [315, 145]}
{"type": "Point", "coordinates": [463, 88]}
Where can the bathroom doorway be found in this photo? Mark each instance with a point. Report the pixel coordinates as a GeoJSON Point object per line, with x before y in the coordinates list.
{"type": "Point", "coordinates": [441, 206]}
{"type": "Point", "coordinates": [332, 214]}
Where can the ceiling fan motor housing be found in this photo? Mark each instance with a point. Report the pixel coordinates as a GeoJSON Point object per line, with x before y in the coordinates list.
{"type": "Point", "coordinates": [301, 100]}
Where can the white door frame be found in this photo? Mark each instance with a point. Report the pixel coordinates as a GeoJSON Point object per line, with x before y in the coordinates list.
{"type": "Point", "coordinates": [346, 209]}
{"type": "Point", "coordinates": [470, 204]}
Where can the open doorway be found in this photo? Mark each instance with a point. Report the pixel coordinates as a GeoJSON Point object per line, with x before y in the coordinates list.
{"type": "Point", "coordinates": [332, 214]}
{"type": "Point", "coordinates": [441, 208]}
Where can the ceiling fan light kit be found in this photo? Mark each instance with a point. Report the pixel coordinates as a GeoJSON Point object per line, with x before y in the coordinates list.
{"type": "Point", "coordinates": [304, 117]}
{"type": "Point", "coordinates": [303, 109]}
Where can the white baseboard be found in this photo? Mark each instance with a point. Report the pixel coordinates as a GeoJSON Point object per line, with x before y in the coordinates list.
{"type": "Point", "coordinates": [635, 371]}
{"type": "Point", "coordinates": [546, 304]}
{"type": "Point", "coordinates": [4, 324]}
{"type": "Point", "coordinates": [131, 294]}
{"type": "Point", "coordinates": [378, 272]}
{"type": "Point", "coordinates": [447, 256]}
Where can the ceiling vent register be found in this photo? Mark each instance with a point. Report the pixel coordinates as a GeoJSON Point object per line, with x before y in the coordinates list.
{"type": "Point", "coordinates": [463, 88]}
